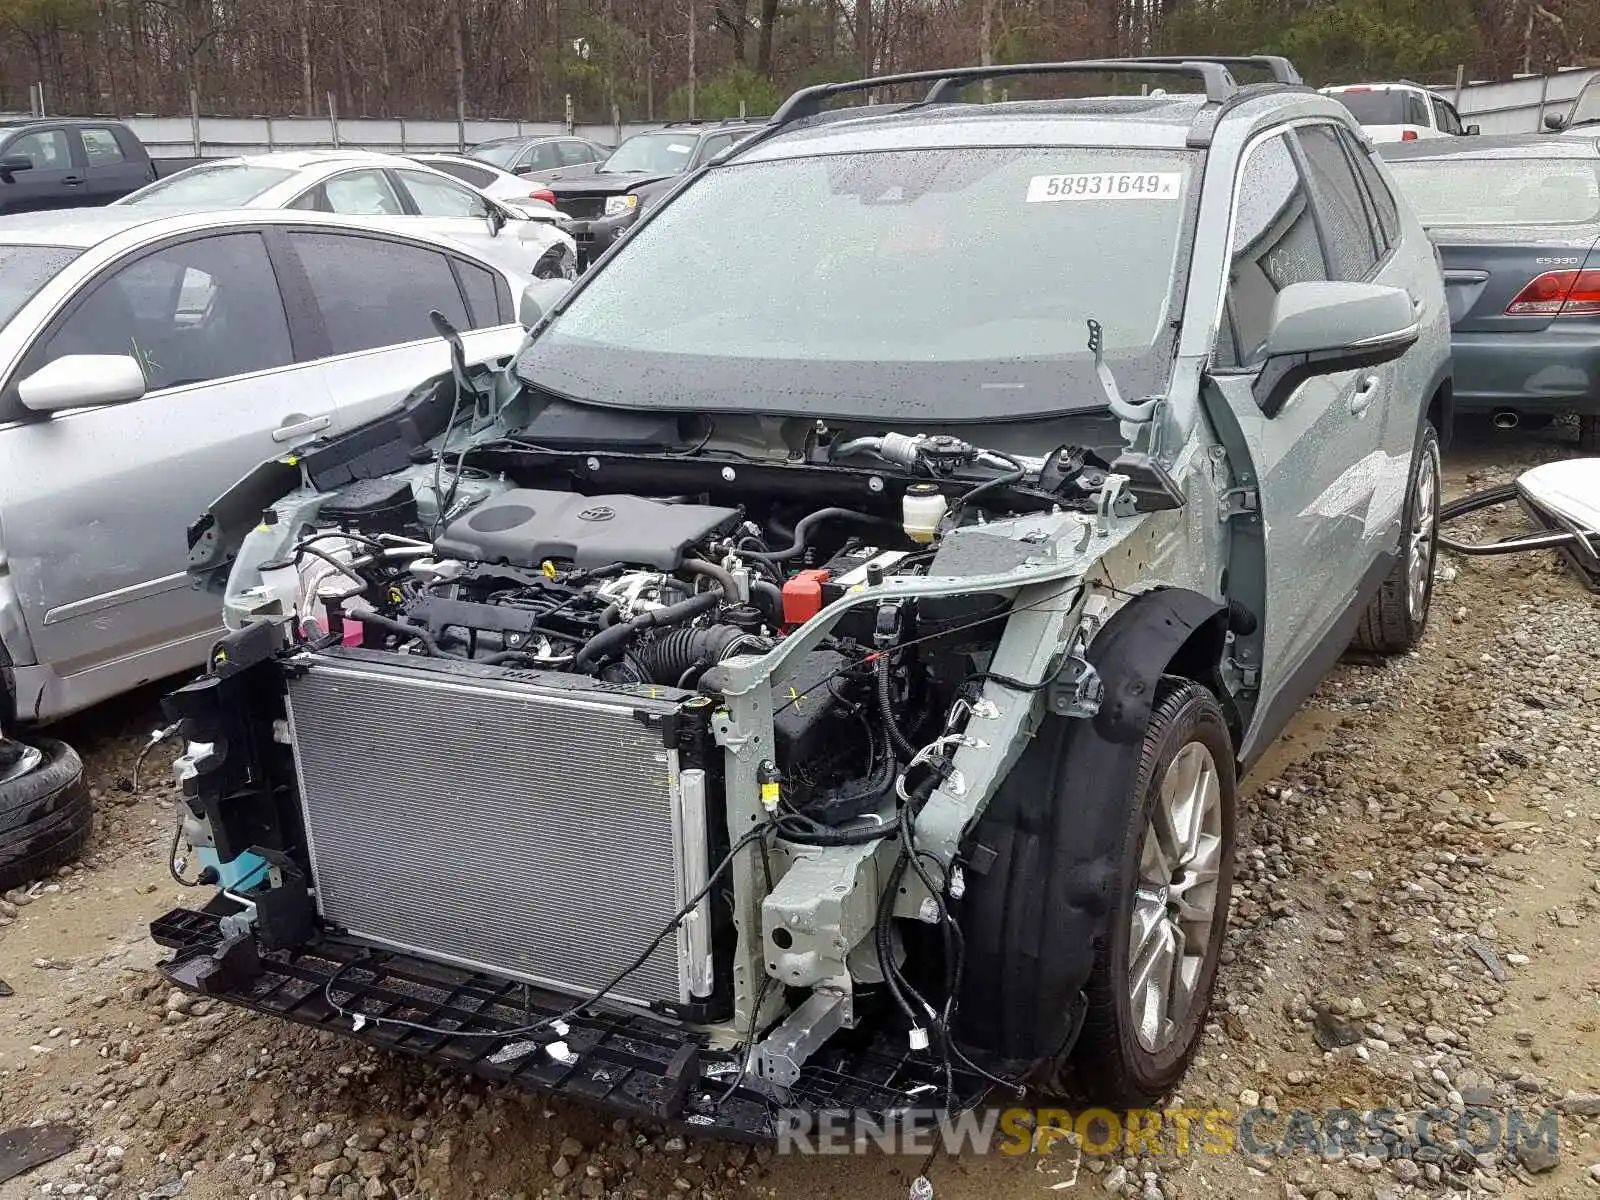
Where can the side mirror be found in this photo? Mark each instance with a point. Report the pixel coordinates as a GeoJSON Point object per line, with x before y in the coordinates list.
{"type": "Point", "coordinates": [1554, 121]}
{"type": "Point", "coordinates": [1474, 130]}
{"type": "Point", "coordinates": [1324, 327]}
{"type": "Point", "coordinates": [82, 381]}
{"type": "Point", "coordinates": [538, 298]}
{"type": "Point", "coordinates": [13, 163]}
{"type": "Point", "coordinates": [496, 218]}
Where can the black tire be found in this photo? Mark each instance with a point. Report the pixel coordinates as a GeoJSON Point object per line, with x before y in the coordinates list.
{"type": "Point", "coordinates": [1589, 434]}
{"type": "Point", "coordinates": [37, 850]}
{"type": "Point", "coordinates": [1112, 1065]}
{"type": "Point", "coordinates": [49, 787]}
{"type": "Point", "coordinates": [1395, 620]}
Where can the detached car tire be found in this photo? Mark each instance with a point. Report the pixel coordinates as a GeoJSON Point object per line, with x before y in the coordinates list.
{"type": "Point", "coordinates": [1156, 965]}
{"type": "Point", "coordinates": [46, 817]}
{"type": "Point", "coordinates": [1397, 615]}
{"type": "Point", "coordinates": [50, 786]}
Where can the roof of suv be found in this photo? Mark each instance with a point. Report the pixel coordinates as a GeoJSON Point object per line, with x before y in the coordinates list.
{"type": "Point", "coordinates": [17, 122]}
{"type": "Point", "coordinates": [1152, 122]}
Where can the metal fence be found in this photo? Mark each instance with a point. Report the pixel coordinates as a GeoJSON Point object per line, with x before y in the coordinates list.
{"type": "Point", "coordinates": [216, 136]}
{"type": "Point", "coordinates": [1518, 105]}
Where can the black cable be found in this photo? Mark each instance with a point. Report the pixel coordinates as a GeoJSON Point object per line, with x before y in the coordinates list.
{"type": "Point", "coordinates": [917, 641]}
{"type": "Point", "coordinates": [1017, 473]}
{"type": "Point", "coordinates": [802, 532]}
{"type": "Point", "coordinates": [891, 723]}
{"type": "Point", "coordinates": [343, 568]}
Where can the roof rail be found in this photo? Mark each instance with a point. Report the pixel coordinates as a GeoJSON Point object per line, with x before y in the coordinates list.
{"type": "Point", "coordinates": [1279, 67]}
{"type": "Point", "coordinates": [807, 102]}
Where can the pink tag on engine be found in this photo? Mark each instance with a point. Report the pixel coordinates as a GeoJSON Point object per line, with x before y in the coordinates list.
{"type": "Point", "coordinates": [352, 632]}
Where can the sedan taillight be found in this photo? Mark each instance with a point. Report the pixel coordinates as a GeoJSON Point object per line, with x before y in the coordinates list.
{"type": "Point", "coordinates": [1559, 294]}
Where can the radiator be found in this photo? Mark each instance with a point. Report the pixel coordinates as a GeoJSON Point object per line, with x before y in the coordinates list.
{"type": "Point", "coordinates": [467, 814]}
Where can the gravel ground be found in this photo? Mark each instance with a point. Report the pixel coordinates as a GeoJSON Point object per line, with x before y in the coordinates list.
{"type": "Point", "coordinates": [1415, 925]}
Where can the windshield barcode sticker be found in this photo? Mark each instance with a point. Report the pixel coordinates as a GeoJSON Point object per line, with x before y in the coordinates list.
{"type": "Point", "coordinates": [1106, 185]}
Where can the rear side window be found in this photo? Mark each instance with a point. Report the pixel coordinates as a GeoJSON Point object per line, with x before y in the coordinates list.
{"type": "Point", "coordinates": [1346, 235]}
{"type": "Point", "coordinates": [479, 177]}
{"type": "Point", "coordinates": [373, 292]}
{"type": "Point", "coordinates": [1384, 209]}
{"type": "Point", "coordinates": [101, 148]}
{"type": "Point", "coordinates": [483, 300]}
{"type": "Point", "coordinates": [1274, 244]}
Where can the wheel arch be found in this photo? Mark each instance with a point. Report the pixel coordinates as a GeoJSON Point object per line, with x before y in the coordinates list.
{"type": "Point", "coordinates": [1165, 631]}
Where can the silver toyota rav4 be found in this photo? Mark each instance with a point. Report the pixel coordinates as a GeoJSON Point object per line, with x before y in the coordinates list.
{"type": "Point", "coordinates": [818, 674]}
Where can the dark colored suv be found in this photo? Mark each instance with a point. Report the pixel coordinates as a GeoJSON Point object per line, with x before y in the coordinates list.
{"type": "Point", "coordinates": [60, 163]}
{"type": "Point", "coordinates": [646, 166]}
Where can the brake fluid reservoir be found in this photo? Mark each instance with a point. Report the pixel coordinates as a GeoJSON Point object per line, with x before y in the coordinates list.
{"type": "Point", "coordinates": [921, 510]}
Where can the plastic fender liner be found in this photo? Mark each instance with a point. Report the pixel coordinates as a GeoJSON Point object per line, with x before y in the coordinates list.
{"type": "Point", "coordinates": [1043, 857]}
{"type": "Point", "coordinates": [1144, 640]}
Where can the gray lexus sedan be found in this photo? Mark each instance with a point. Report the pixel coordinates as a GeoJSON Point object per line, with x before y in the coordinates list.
{"type": "Point", "coordinates": [1516, 220]}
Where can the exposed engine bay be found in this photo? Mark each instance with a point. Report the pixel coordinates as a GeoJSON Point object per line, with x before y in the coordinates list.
{"type": "Point", "coordinates": [706, 743]}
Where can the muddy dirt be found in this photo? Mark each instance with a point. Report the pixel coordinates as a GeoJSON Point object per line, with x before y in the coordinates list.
{"type": "Point", "coordinates": [1416, 925]}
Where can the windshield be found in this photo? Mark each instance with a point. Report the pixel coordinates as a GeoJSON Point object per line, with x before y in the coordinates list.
{"type": "Point", "coordinates": [26, 269]}
{"type": "Point", "coordinates": [1587, 106]}
{"type": "Point", "coordinates": [651, 154]}
{"type": "Point", "coordinates": [916, 285]}
{"type": "Point", "coordinates": [1524, 191]}
{"type": "Point", "coordinates": [497, 154]}
{"type": "Point", "coordinates": [221, 186]}
{"type": "Point", "coordinates": [1383, 108]}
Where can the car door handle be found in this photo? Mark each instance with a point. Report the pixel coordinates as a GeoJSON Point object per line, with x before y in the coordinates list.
{"type": "Point", "coordinates": [296, 424]}
{"type": "Point", "coordinates": [1362, 396]}
{"type": "Point", "coordinates": [73, 181]}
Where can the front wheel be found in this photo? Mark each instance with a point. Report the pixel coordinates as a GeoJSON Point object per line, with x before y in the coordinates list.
{"type": "Point", "coordinates": [1156, 965]}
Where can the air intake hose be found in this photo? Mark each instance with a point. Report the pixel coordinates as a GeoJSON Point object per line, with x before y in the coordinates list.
{"type": "Point", "coordinates": [672, 656]}
{"type": "Point", "coordinates": [614, 639]}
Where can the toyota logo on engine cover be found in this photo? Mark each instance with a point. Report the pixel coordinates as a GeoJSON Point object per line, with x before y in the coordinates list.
{"type": "Point", "coordinates": [600, 512]}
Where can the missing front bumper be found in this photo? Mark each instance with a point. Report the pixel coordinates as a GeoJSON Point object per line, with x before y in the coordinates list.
{"type": "Point", "coordinates": [625, 1062]}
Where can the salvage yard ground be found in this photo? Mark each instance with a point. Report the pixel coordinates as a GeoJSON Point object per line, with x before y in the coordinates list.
{"type": "Point", "coordinates": [1425, 827]}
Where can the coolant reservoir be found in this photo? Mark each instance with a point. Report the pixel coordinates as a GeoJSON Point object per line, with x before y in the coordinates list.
{"type": "Point", "coordinates": [921, 510]}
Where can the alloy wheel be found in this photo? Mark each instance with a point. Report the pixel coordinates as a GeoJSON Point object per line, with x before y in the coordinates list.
{"type": "Point", "coordinates": [1175, 902]}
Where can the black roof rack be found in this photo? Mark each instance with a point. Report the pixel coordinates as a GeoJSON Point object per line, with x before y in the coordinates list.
{"type": "Point", "coordinates": [1219, 83]}
{"type": "Point", "coordinates": [716, 121]}
{"type": "Point", "coordinates": [1276, 65]}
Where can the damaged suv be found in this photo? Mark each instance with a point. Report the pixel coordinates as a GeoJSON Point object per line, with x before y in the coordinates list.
{"type": "Point", "coordinates": [816, 673]}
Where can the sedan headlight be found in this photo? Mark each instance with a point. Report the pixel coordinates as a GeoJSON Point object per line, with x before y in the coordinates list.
{"type": "Point", "coordinates": [617, 205]}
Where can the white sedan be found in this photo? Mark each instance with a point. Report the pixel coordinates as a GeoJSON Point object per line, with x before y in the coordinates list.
{"type": "Point", "coordinates": [525, 195]}
{"type": "Point", "coordinates": [361, 183]}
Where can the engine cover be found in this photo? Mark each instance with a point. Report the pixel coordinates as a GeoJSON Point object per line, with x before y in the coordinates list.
{"type": "Point", "coordinates": [525, 526]}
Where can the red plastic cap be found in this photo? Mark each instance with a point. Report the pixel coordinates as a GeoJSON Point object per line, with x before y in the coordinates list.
{"type": "Point", "coordinates": [1408, 135]}
{"type": "Point", "coordinates": [802, 596]}
{"type": "Point", "coordinates": [1559, 294]}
